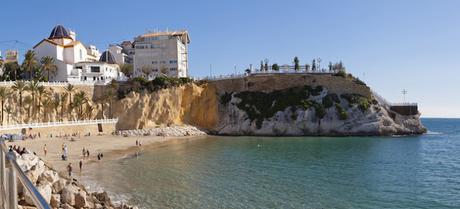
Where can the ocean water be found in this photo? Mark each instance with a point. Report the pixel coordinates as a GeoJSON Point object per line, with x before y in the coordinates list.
{"type": "Point", "coordinates": [293, 172]}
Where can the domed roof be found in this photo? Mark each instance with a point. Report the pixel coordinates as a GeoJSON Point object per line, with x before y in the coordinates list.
{"type": "Point", "coordinates": [107, 57]}
{"type": "Point", "coordinates": [59, 32]}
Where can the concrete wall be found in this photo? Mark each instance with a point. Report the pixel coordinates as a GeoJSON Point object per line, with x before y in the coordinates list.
{"type": "Point", "coordinates": [405, 110]}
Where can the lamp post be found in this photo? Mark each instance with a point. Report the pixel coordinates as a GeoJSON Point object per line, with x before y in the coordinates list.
{"type": "Point", "coordinates": [404, 92]}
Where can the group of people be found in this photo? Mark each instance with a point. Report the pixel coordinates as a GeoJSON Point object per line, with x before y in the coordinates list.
{"type": "Point", "coordinates": [69, 167]}
{"type": "Point", "coordinates": [18, 149]}
{"type": "Point", "coordinates": [85, 152]}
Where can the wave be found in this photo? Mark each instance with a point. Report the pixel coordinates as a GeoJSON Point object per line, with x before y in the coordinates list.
{"type": "Point", "coordinates": [433, 133]}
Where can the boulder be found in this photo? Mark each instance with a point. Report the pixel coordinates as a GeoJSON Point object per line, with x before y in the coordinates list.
{"type": "Point", "coordinates": [68, 194]}
{"type": "Point", "coordinates": [67, 206]}
{"type": "Point", "coordinates": [50, 176]}
{"type": "Point", "coordinates": [59, 185]}
{"type": "Point", "coordinates": [55, 201]}
{"type": "Point", "coordinates": [80, 199]}
{"type": "Point", "coordinates": [45, 191]}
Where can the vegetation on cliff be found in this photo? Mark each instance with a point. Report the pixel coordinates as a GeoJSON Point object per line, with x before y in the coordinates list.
{"type": "Point", "coordinates": [140, 84]}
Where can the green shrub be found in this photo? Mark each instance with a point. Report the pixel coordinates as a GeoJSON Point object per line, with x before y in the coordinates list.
{"type": "Point", "coordinates": [342, 114]}
{"type": "Point", "coordinates": [329, 100]}
{"type": "Point", "coordinates": [356, 99]}
{"type": "Point", "coordinates": [225, 98]}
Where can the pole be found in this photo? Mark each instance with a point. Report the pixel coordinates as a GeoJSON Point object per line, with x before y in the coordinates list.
{"type": "Point", "coordinates": [2, 176]}
{"type": "Point", "coordinates": [12, 189]}
{"type": "Point", "coordinates": [210, 70]}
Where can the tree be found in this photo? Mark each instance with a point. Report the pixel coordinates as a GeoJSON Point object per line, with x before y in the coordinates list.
{"type": "Point", "coordinates": [307, 68]}
{"type": "Point", "coordinates": [41, 92]}
{"type": "Point", "coordinates": [102, 100]}
{"type": "Point", "coordinates": [127, 69]}
{"type": "Point", "coordinates": [296, 64]}
{"type": "Point", "coordinates": [275, 67]}
{"type": "Point", "coordinates": [19, 86]}
{"type": "Point", "coordinates": [30, 63]}
{"type": "Point", "coordinates": [29, 102]}
{"type": "Point", "coordinates": [261, 65]}
{"type": "Point", "coordinates": [266, 65]}
{"type": "Point", "coordinates": [247, 71]}
{"type": "Point", "coordinates": [89, 111]}
{"type": "Point", "coordinates": [8, 110]}
{"type": "Point", "coordinates": [69, 89]}
{"type": "Point", "coordinates": [4, 95]}
{"type": "Point", "coordinates": [33, 87]}
{"type": "Point", "coordinates": [47, 103]}
{"type": "Point", "coordinates": [330, 66]}
{"type": "Point", "coordinates": [146, 71]}
{"type": "Point", "coordinates": [313, 65]}
{"type": "Point", "coordinates": [11, 70]}
{"type": "Point", "coordinates": [56, 102]}
{"type": "Point", "coordinates": [80, 99]}
{"type": "Point", "coordinates": [48, 65]}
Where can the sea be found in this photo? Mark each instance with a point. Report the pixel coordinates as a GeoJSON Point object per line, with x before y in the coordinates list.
{"type": "Point", "coordinates": [291, 172]}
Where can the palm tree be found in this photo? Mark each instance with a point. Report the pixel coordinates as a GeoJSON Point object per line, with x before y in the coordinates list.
{"type": "Point", "coordinates": [48, 65]}
{"type": "Point", "coordinates": [69, 89]}
{"type": "Point", "coordinates": [102, 100]}
{"type": "Point", "coordinates": [80, 99]}
{"type": "Point", "coordinates": [19, 86]}
{"type": "Point", "coordinates": [63, 98]}
{"type": "Point", "coordinates": [30, 62]}
{"type": "Point", "coordinates": [32, 87]}
{"type": "Point", "coordinates": [110, 96]}
{"type": "Point", "coordinates": [56, 102]}
{"type": "Point", "coordinates": [42, 92]}
{"type": "Point", "coordinates": [47, 103]}
{"type": "Point", "coordinates": [29, 102]}
{"type": "Point", "coordinates": [89, 111]}
{"type": "Point", "coordinates": [8, 110]}
{"type": "Point", "coordinates": [4, 95]}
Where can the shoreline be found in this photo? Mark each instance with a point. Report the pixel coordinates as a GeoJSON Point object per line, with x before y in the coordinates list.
{"type": "Point", "coordinates": [113, 147]}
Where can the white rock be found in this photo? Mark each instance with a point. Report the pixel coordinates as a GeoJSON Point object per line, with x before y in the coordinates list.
{"type": "Point", "coordinates": [45, 191]}
{"type": "Point", "coordinates": [68, 194]}
{"type": "Point", "coordinates": [59, 185]}
{"type": "Point", "coordinates": [50, 176]}
{"type": "Point", "coordinates": [55, 201]}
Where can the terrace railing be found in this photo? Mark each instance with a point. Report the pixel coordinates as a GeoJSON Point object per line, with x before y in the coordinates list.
{"type": "Point", "coordinates": [59, 123]}
{"type": "Point", "coordinates": [59, 83]}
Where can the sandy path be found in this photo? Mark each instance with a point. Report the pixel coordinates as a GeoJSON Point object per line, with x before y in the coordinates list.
{"type": "Point", "coordinates": [111, 146]}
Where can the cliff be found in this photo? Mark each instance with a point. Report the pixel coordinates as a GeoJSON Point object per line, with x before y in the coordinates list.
{"type": "Point", "coordinates": [326, 105]}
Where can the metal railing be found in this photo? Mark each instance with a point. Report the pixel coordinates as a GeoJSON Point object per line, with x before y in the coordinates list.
{"type": "Point", "coordinates": [59, 123]}
{"type": "Point", "coordinates": [61, 83]}
{"type": "Point", "coordinates": [9, 173]}
{"type": "Point", "coordinates": [237, 75]}
{"type": "Point", "coordinates": [388, 104]}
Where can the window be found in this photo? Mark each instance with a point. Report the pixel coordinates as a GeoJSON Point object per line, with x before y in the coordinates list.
{"type": "Point", "coordinates": [95, 69]}
{"type": "Point", "coordinates": [172, 61]}
{"type": "Point", "coordinates": [154, 62]}
{"type": "Point", "coordinates": [81, 54]}
{"type": "Point", "coordinates": [173, 69]}
{"type": "Point", "coordinates": [79, 67]}
{"type": "Point", "coordinates": [163, 62]}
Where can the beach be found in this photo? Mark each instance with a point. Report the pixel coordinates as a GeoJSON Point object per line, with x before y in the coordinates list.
{"type": "Point", "coordinates": [111, 146]}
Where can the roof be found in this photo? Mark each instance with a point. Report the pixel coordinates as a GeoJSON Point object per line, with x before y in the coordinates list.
{"type": "Point", "coordinates": [107, 57]}
{"type": "Point", "coordinates": [59, 32]}
{"type": "Point", "coordinates": [71, 44]}
{"type": "Point", "coordinates": [170, 33]}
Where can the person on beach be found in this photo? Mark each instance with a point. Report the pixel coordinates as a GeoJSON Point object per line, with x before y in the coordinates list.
{"type": "Point", "coordinates": [83, 152]}
{"type": "Point", "coordinates": [99, 156]}
{"type": "Point", "coordinates": [137, 143]}
{"type": "Point", "coordinates": [81, 165]}
{"type": "Point", "coordinates": [69, 169]}
{"type": "Point", "coordinates": [45, 150]}
{"type": "Point", "coordinates": [87, 153]}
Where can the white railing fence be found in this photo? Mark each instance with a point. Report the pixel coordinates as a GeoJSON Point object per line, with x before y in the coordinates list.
{"type": "Point", "coordinates": [59, 83]}
{"type": "Point", "coordinates": [240, 75]}
{"type": "Point", "coordinates": [58, 123]}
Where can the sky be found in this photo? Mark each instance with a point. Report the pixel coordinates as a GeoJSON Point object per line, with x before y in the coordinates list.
{"type": "Point", "coordinates": [390, 44]}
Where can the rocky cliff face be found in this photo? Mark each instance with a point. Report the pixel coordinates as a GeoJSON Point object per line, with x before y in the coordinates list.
{"type": "Point", "coordinates": [269, 105]}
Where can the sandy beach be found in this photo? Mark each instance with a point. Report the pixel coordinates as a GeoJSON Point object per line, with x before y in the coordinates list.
{"type": "Point", "coordinates": [112, 147]}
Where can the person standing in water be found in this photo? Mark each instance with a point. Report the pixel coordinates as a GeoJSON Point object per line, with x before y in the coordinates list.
{"type": "Point", "coordinates": [81, 165]}
{"type": "Point", "coordinates": [45, 150]}
{"type": "Point", "coordinates": [69, 169]}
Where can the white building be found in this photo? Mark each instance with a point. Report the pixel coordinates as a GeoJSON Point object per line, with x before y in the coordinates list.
{"type": "Point", "coordinates": [73, 59]}
{"type": "Point", "coordinates": [117, 53]}
{"type": "Point", "coordinates": [161, 53]}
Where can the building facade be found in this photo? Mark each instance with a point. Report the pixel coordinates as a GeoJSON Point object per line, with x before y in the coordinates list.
{"type": "Point", "coordinates": [72, 58]}
{"type": "Point", "coordinates": [161, 53]}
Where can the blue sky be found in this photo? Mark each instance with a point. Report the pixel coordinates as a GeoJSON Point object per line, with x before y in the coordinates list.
{"type": "Point", "coordinates": [391, 44]}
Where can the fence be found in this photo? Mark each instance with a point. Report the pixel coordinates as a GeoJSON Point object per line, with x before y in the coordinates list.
{"type": "Point", "coordinates": [10, 172]}
{"type": "Point", "coordinates": [59, 123]}
{"type": "Point", "coordinates": [388, 104]}
{"type": "Point", "coordinates": [58, 83]}
{"type": "Point", "coordinates": [269, 72]}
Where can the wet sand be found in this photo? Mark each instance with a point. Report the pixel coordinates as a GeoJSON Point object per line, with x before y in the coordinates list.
{"type": "Point", "coordinates": [112, 147]}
